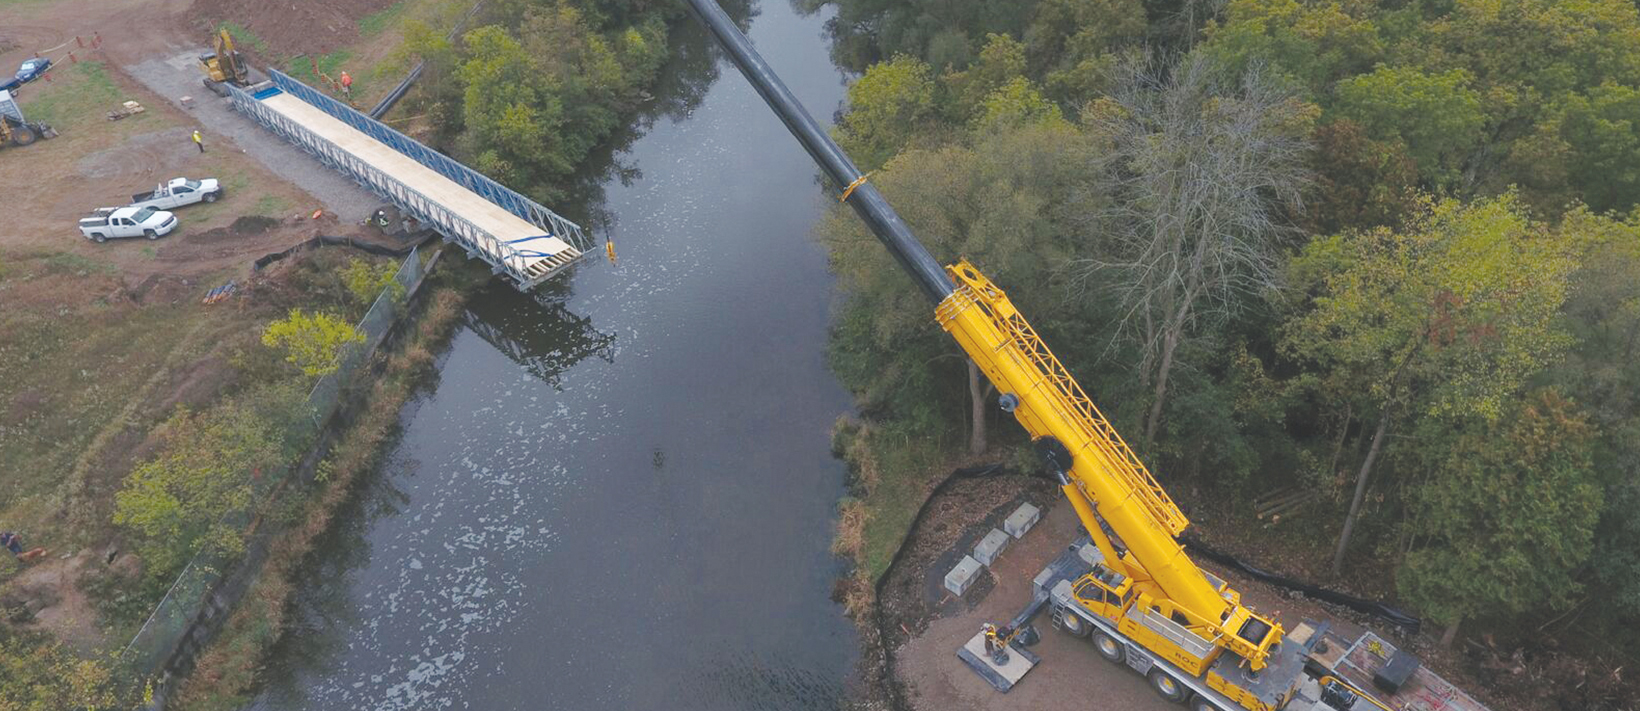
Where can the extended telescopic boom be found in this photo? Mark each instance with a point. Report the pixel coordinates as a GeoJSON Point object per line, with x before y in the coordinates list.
{"type": "Point", "coordinates": [1170, 595]}
{"type": "Point", "coordinates": [878, 214]}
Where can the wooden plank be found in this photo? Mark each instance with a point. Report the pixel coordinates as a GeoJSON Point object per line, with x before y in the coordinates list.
{"type": "Point", "coordinates": [487, 216]}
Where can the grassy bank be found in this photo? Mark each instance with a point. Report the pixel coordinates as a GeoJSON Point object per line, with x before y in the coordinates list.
{"type": "Point", "coordinates": [228, 671]}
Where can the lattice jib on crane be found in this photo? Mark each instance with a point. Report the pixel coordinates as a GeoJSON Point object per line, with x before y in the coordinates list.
{"type": "Point", "coordinates": [1098, 432]}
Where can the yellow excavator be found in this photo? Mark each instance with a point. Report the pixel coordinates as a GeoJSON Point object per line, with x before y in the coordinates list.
{"type": "Point", "coordinates": [1141, 599]}
{"type": "Point", "coordinates": [223, 64]}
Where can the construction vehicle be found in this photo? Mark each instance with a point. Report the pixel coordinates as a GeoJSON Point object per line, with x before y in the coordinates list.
{"type": "Point", "coordinates": [16, 130]}
{"type": "Point", "coordinates": [224, 65]}
{"type": "Point", "coordinates": [1151, 606]}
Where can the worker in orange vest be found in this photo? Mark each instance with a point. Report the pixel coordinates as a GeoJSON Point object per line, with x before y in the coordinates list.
{"type": "Point", "coordinates": [347, 86]}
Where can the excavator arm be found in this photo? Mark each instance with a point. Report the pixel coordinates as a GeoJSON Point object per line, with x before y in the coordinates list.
{"type": "Point", "coordinates": [1098, 472]}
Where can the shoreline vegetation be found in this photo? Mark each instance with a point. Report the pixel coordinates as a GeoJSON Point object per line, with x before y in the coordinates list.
{"type": "Point", "coordinates": [1377, 255]}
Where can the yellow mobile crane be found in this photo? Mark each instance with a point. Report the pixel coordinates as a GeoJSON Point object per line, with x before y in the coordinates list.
{"type": "Point", "coordinates": [1150, 604]}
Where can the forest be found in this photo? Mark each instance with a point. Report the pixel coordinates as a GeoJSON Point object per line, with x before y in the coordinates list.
{"type": "Point", "coordinates": [1384, 252]}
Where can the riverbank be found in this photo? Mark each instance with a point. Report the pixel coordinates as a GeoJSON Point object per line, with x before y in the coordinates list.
{"type": "Point", "coordinates": [225, 674]}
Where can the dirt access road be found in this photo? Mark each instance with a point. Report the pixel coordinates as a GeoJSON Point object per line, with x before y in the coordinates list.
{"type": "Point", "coordinates": [99, 163]}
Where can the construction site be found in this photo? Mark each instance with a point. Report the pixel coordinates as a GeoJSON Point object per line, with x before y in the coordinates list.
{"type": "Point", "coordinates": [329, 405]}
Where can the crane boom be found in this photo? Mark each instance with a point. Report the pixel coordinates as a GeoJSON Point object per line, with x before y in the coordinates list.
{"type": "Point", "coordinates": [1098, 472]}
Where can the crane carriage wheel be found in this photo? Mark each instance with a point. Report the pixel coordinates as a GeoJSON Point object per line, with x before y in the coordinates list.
{"type": "Point", "coordinates": [1110, 648]}
{"type": "Point", "coordinates": [1166, 686]}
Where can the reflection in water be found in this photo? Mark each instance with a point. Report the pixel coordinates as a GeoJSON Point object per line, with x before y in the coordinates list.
{"type": "Point", "coordinates": [691, 70]}
{"type": "Point", "coordinates": [538, 331]}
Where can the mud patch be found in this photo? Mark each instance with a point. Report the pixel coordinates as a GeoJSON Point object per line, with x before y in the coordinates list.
{"type": "Point", "coordinates": [253, 224]}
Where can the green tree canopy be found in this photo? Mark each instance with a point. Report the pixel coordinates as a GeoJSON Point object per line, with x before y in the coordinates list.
{"type": "Point", "coordinates": [887, 106]}
{"type": "Point", "coordinates": [1438, 118]}
{"type": "Point", "coordinates": [1506, 513]}
{"type": "Point", "coordinates": [177, 502]}
{"type": "Point", "coordinates": [1447, 318]}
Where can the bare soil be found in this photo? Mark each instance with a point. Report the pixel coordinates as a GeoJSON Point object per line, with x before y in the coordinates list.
{"type": "Point", "coordinates": [293, 26]}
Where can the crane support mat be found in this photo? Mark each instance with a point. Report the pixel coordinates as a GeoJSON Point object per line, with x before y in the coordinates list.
{"type": "Point", "coordinates": [1000, 676]}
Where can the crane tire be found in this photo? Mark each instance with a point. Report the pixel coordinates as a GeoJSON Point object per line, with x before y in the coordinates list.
{"type": "Point", "coordinates": [99, 238]}
{"type": "Point", "coordinates": [150, 234]}
{"type": "Point", "coordinates": [1110, 648]}
{"type": "Point", "coordinates": [1198, 703]}
{"type": "Point", "coordinates": [1074, 624]}
{"type": "Point", "coordinates": [1167, 687]}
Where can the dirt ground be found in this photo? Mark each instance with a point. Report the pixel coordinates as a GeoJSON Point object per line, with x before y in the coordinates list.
{"type": "Point", "coordinates": [924, 624]}
{"type": "Point", "coordinates": [1071, 672]}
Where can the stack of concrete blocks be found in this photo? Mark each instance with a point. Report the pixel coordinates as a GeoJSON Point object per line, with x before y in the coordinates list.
{"type": "Point", "coordinates": [990, 547]}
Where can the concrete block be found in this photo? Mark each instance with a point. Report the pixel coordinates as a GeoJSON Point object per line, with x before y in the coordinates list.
{"type": "Point", "coordinates": [1040, 582]}
{"type": "Point", "coordinates": [991, 546]}
{"type": "Point", "coordinates": [963, 575]}
{"type": "Point", "coordinates": [1021, 520]}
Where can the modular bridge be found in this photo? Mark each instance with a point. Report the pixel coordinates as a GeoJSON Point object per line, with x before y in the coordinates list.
{"type": "Point", "coordinates": [517, 236]}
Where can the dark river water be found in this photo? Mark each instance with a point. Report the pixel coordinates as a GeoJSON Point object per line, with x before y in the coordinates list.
{"type": "Point", "coordinates": [618, 493]}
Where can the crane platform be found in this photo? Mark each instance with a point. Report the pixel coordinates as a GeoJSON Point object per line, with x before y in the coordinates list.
{"type": "Point", "coordinates": [518, 237]}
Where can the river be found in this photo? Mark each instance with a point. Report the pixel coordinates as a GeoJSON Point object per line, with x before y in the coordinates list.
{"type": "Point", "coordinates": [618, 492]}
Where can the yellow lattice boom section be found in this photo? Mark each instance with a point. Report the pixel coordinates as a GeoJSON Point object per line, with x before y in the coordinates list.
{"type": "Point", "coordinates": [1100, 438]}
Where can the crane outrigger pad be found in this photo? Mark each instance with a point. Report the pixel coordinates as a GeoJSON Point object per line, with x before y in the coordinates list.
{"type": "Point", "coordinates": [1000, 676]}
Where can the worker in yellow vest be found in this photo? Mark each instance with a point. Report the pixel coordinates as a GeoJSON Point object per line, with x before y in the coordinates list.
{"type": "Point", "coordinates": [199, 141]}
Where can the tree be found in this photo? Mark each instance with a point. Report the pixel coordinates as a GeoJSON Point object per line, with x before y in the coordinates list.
{"type": "Point", "coordinates": [1360, 183]}
{"type": "Point", "coordinates": [313, 342]}
{"type": "Point", "coordinates": [509, 110]}
{"type": "Point", "coordinates": [1449, 316]}
{"type": "Point", "coordinates": [366, 281]}
{"type": "Point", "coordinates": [1506, 515]}
{"type": "Point", "coordinates": [37, 675]}
{"type": "Point", "coordinates": [1437, 117]}
{"type": "Point", "coordinates": [1312, 44]}
{"type": "Point", "coordinates": [1202, 170]}
{"type": "Point", "coordinates": [887, 107]}
{"type": "Point", "coordinates": [1015, 104]}
{"type": "Point", "coordinates": [1001, 203]}
{"type": "Point", "coordinates": [1602, 371]}
{"type": "Point", "coordinates": [177, 502]}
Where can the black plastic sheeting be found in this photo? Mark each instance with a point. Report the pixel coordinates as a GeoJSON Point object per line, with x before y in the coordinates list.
{"type": "Point", "coordinates": [324, 241]}
{"type": "Point", "coordinates": [1393, 615]}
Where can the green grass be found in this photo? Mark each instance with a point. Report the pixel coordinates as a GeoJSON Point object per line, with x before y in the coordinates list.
{"type": "Point", "coordinates": [271, 206]}
{"type": "Point", "coordinates": [242, 34]}
{"type": "Point", "coordinates": [77, 94]}
{"type": "Point", "coordinates": [330, 64]}
{"type": "Point", "coordinates": [376, 22]}
{"type": "Point", "coordinates": [69, 263]}
{"type": "Point", "coordinates": [891, 472]}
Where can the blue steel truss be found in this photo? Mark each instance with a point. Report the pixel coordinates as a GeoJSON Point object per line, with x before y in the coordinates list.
{"type": "Point", "coordinates": [452, 225]}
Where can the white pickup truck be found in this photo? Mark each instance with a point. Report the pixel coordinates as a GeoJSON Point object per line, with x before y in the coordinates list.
{"type": "Point", "coordinates": [114, 222]}
{"type": "Point", "coordinates": [178, 192]}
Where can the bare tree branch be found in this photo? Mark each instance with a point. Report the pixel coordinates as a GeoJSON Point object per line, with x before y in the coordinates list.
{"type": "Point", "coordinates": [1201, 174]}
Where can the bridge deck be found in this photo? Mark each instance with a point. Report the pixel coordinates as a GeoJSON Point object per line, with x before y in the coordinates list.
{"type": "Point", "coordinates": [536, 252]}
